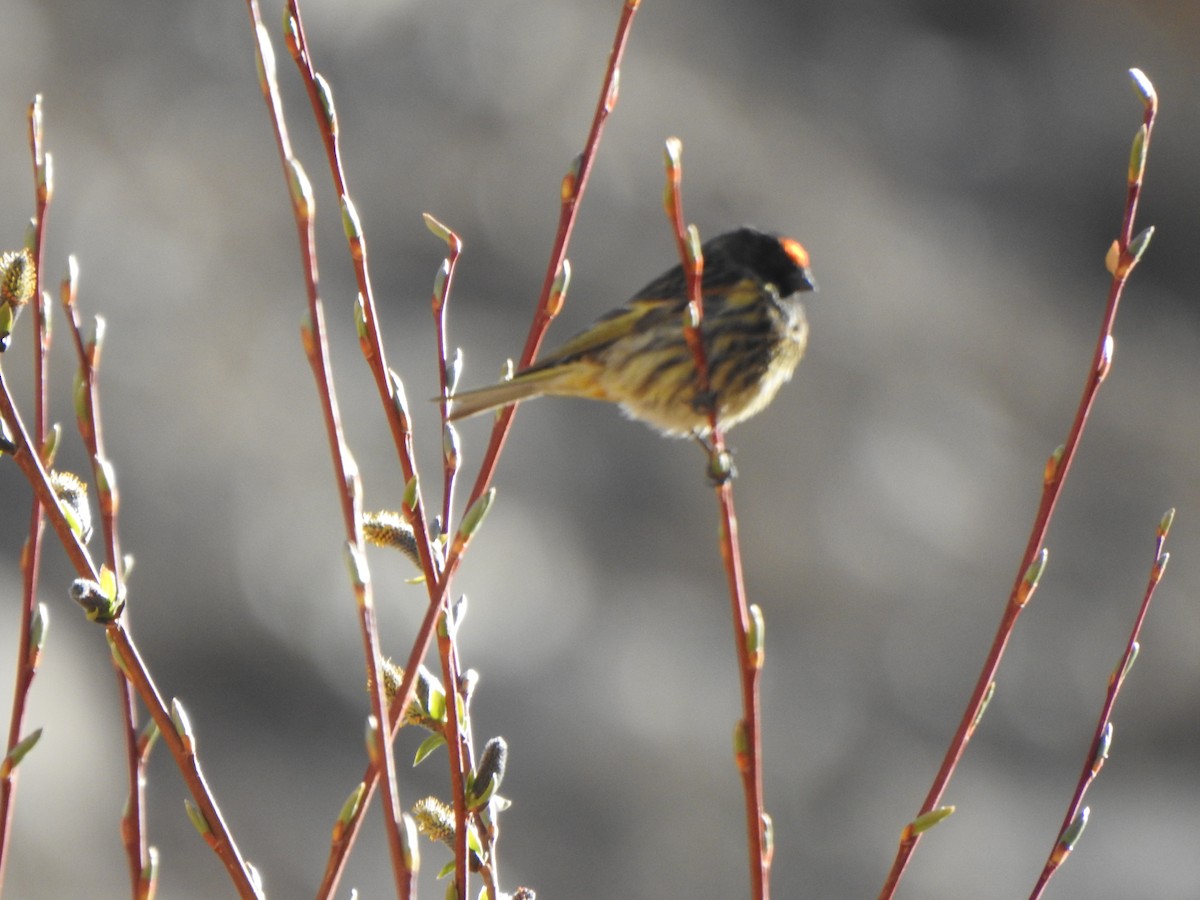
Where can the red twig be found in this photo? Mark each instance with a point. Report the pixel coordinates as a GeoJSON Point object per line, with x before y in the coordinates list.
{"type": "Point", "coordinates": [391, 395]}
{"type": "Point", "coordinates": [458, 741]}
{"type": "Point", "coordinates": [437, 577]}
{"type": "Point", "coordinates": [548, 305]}
{"type": "Point", "coordinates": [347, 480]}
{"type": "Point", "coordinates": [27, 658]}
{"type": "Point", "coordinates": [747, 620]}
{"type": "Point", "coordinates": [28, 453]}
{"type": "Point", "coordinates": [447, 372]}
{"type": "Point", "coordinates": [1077, 814]}
{"type": "Point", "coordinates": [557, 272]}
{"type": "Point", "coordinates": [1123, 256]}
{"type": "Point", "coordinates": [88, 350]}
{"type": "Point", "coordinates": [127, 657]}
{"type": "Point", "coordinates": [182, 745]}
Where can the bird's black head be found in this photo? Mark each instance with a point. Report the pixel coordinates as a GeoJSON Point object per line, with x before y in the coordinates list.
{"type": "Point", "coordinates": [777, 260]}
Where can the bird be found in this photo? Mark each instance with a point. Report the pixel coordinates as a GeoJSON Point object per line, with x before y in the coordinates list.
{"type": "Point", "coordinates": [753, 328]}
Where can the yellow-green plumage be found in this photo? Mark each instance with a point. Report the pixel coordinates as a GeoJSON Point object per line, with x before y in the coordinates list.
{"type": "Point", "coordinates": [754, 333]}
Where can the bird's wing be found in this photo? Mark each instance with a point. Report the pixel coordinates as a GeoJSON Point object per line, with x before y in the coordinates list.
{"type": "Point", "coordinates": [634, 316]}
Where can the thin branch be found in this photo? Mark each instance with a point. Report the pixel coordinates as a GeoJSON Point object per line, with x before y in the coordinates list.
{"type": "Point", "coordinates": [448, 372]}
{"type": "Point", "coordinates": [458, 741]}
{"type": "Point", "coordinates": [1077, 814]}
{"type": "Point", "coordinates": [28, 453]}
{"type": "Point", "coordinates": [346, 477]}
{"type": "Point", "coordinates": [1123, 256]}
{"type": "Point", "coordinates": [182, 745]}
{"type": "Point", "coordinates": [27, 659]}
{"type": "Point", "coordinates": [320, 96]}
{"type": "Point", "coordinates": [128, 659]}
{"type": "Point", "coordinates": [747, 630]}
{"type": "Point", "coordinates": [548, 305]}
{"type": "Point", "coordinates": [88, 351]}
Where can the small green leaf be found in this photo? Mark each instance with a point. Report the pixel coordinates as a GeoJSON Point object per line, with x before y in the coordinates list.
{"type": "Point", "coordinates": [183, 725]}
{"type": "Point", "coordinates": [37, 628]}
{"type": "Point", "coordinates": [475, 515]}
{"type": "Point", "coordinates": [1112, 259]}
{"type": "Point", "coordinates": [301, 189]}
{"type": "Point", "coordinates": [325, 96]}
{"type": "Point", "coordinates": [106, 476]}
{"type": "Point", "coordinates": [558, 289]}
{"type": "Point", "coordinates": [360, 317]}
{"type": "Point", "coordinates": [1052, 464]}
{"type": "Point", "coordinates": [72, 518]}
{"type": "Point", "coordinates": [1164, 525]}
{"type": "Point", "coordinates": [409, 843]}
{"type": "Point", "coordinates": [1073, 831]}
{"type": "Point", "coordinates": [570, 181]}
{"type": "Point", "coordinates": [371, 738]}
{"type": "Point", "coordinates": [440, 277]}
{"type": "Point", "coordinates": [451, 446]}
{"type": "Point", "coordinates": [1144, 88]}
{"type": "Point", "coordinates": [1102, 747]}
{"type": "Point", "coordinates": [79, 396]}
{"type": "Point", "coordinates": [95, 340]}
{"type": "Point", "coordinates": [198, 821]}
{"type": "Point", "coordinates": [265, 59]}
{"type": "Point", "coordinates": [455, 370]}
{"type": "Point", "coordinates": [351, 224]}
{"type": "Point", "coordinates": [473, 839]}
{"type": "Point", "coordinates": [352, 805]}
{"type": "Point", "coordinates": [924, 822]}
{"type": "Point", "coordinates": [115, 650]}
{"type": "Point", "coordinates": [291, 28]}
{"type": "Point", "coordinates": [108, 581]}
{"type": "Point", "coordinates": [1033, 574]}
{"type": "Point", "coordinates": [1124, 667]}
{"type": "Point", "coordinates": [741, 743]}
{"type": "Point", "coordinates": [983, 704]}
{"type": "Point", "coordinates": [1139, 244]}
{"type": "Point", "coordinates": [409, 500]}
{"type": "Point", "coordinates": [430, 744]}
{"type": "Point", "coordinates": [1137, 156]}
{"type": "Point", "coordinates": [438, 230]}
{"type": "Point", "coordinates": [436, 705]}
{"type": "Point", "coordinates": [1160, 564]}
{"type": "Point", "coordinates": [356, 566]}
{"type": "Point", "coordinates": [148, 737]}
{"type": "Point", "coordinates": [149, 876]}
{"type": "Point", "coordinates": [756, 635]}
{"type": "Point", "coordinates": [400, 402]}
{"type": "Point", "coordinates": [19, 752]}
{"type": "Point", "coordinates": [695, 257]}
{"type": "Point", "coordinates": [50, 445]}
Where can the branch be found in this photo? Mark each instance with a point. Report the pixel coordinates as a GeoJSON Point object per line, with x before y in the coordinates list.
{"type": "Point", "coordinates": [747, 618]}
{"type": "Point", "coordinates": [1122, 257]}
{"type": "Point", "coordinates": [1077, 814]}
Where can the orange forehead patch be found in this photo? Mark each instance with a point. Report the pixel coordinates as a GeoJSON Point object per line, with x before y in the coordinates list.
{"type": "Point", "coordinates": [796, 251]}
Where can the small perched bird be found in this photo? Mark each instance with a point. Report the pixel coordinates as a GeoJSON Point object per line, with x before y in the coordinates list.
{"type": "Point", "coordinates": [754, 333]}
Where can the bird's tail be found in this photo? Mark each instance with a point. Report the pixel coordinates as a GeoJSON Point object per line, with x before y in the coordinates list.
{"type": "Point", "coordinates": [528, 384]}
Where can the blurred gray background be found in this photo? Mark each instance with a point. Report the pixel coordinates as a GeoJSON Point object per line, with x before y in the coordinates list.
{"type": "Point", "coordinates": [957, 173]}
